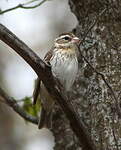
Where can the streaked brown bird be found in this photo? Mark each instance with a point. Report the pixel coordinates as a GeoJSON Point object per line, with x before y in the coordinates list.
{"type": "Point", "coordinates": [64, 65]}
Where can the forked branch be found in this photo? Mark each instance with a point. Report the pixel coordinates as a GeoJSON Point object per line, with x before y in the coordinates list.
{"type": "Point", "coordinates": [23, 6]}
{"type": "Point", "coordinates": [44, 72]}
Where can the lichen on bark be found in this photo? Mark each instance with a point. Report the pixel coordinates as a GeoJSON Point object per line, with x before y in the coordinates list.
{"type": "Point", "coordinates": [91, 97]}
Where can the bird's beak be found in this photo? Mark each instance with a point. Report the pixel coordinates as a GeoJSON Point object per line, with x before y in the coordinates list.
{"type": "Point", "coordinates": [76, 40]}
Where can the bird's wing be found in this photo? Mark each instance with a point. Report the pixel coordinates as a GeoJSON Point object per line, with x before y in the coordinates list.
{"type": "Point", "coordinates": [48, 56]}
{"type": "Point", "coordinates": [36, 91]}
{"type": "Point", "coordinates": [38, 81]}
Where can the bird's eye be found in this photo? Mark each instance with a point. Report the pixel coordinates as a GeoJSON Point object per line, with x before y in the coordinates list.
{"type": "Point", "coordinates": [66, 38]}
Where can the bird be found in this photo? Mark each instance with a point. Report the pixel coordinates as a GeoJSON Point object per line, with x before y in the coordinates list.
{"type": "Point", "coordinates": [63, 59]}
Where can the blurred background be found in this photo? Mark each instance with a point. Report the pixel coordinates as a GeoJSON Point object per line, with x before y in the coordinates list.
{"type": "Point", "coordinates": [37, 28]}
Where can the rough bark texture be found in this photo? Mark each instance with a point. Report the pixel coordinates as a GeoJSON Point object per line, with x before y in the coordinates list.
{"type": "Point", "coordinates": [92, 98]}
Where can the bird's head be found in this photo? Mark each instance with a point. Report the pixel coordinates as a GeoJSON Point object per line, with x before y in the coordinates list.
{"type": "Point", "coordinates": [67, 40]}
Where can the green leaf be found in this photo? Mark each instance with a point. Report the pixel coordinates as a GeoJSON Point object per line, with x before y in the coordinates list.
{"type": "Point", "coordinates": [30, 108]}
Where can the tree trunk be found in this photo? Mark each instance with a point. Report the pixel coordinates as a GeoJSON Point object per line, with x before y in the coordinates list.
{"type": "Point", "coordinates": [95, 96]}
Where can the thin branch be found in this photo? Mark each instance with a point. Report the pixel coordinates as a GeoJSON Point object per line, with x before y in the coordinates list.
{"type": "Point", "coordinates": [93, 24]}
{"type": "Point", "coordinates": [106, 82]}
{"type": "Point", "coordinates": [13, 104]}
{"type": "Point", "coordinates": [102, 76]}
{"type": "Point", "coordinates": [23, 6]}
{"type": "Point", "coordinates": [44, 73]}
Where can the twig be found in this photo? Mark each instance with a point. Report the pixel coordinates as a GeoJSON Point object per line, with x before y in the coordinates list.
{"type": "Point", "coordinates": [13, 104]}
{"type": "Point", "coordinates": [23, 6]}
{"type": "Point", "coordinates": [106, 82]}
{"type": "Point", "coordinates": [93, 24]}
{"type": "Point", "coordinates": [102, 76]}
{"type": "Point", "coordinates": [44, 73]}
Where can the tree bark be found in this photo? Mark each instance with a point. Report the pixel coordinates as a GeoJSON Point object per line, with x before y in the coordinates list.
{"type": "Point", "coordinates": [94, 106]}
{"type": "Point", "coordinates": [97, 90]}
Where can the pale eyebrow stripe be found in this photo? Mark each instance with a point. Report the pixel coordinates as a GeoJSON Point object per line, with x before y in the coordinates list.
{"type": "Point", "coordinates": [64, 36]}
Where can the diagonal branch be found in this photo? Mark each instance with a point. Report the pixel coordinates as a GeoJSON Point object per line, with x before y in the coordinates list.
{"type": "Point", "coordinates": [12, 103]}
{"type": "Point", "coordinates": [44, 72]}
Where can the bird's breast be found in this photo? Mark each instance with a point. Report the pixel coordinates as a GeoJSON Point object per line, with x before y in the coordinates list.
{"type": "Point", "coordinates": [65, 68]}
